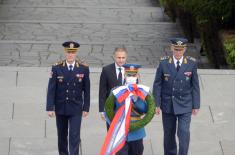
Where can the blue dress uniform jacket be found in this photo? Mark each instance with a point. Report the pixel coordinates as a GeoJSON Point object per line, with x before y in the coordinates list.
{"type": "Point", "coordinates": [177, 92]}
{"type": "Point", "coordinates": [69, 92]}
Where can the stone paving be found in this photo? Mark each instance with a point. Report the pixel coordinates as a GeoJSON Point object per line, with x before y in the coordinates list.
{"type": "Point", "coordinates": [26, 129]}
{"type": "Point", "coordinates": [31, 33]}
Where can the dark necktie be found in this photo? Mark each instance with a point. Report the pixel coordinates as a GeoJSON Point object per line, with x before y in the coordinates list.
{"type": "Point", "coordinates": [70, 68]}
{"type": "Point", "coordinates": [120, 76]}
{"type": "Point", "coordinates": [178, 66]}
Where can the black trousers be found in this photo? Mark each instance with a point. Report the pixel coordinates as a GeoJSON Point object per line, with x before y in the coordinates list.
{"type": "Point", "coordinates": [68, 127]}
{"type": "Point", "coordinates": [132, 148]}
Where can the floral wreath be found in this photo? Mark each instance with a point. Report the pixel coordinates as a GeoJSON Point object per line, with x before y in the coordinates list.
{"type": "Point", "coordinates": [109, 109]}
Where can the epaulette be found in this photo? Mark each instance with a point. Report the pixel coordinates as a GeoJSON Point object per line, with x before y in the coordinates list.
{"type": "Point", "coordinates": [81, 62]}
{"type": "Point", "coordinates": [62, 62]}
{"type": "Point", "coordinates": [191, 58]}
{"type": "Point", "coordinates": [164, 58]}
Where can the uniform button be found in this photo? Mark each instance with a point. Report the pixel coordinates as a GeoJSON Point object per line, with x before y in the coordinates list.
{"type": "Point", "coordinates": [67, 98]}
{"type": "Point", "coordinates": [181, 81]}
{"type": "Point", "coordinates": [181, 89]}
{"type": "Point", "coordinates": [67, 91]}
{"type": "Point", "coordinates": [180, 96]}
{"type": "Point", "coordinates": [73, 91]}
{"type": "Point", "coordinates": [67, 83]}
{"type": "Point", "coordinates": [173, 89]}
{"type": "Point", "coordinates": [74, 84]}
{"type": "Point", "coordinates": [173, 96]}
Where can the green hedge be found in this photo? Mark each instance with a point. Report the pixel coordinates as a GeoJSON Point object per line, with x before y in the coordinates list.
{"type": "Point", "coordinates": [229, 45]}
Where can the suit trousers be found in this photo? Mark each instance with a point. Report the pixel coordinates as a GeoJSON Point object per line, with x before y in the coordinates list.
{"type": "Point", "coordinates": [181, 124]}
{"type": "Point", "coordinates": [68, 126]}
{"type": "Point", "coordinates": [132, 148]}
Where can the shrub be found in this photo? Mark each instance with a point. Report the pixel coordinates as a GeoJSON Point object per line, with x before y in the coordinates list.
{"type": "Point", "coordinates": [229, 45]}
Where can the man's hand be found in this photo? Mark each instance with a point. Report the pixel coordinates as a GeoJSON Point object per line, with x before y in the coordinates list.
{"type": "Point", "coordinates": [51, 113]}
{"type": "Point", "coordinates": [102, 116]}
{"type": "Point", "coordinates": [195, 111]}
{"type": "Point", "coordinates": [84, 114]}
{"type": "Point", "coordinates": [157, 111]}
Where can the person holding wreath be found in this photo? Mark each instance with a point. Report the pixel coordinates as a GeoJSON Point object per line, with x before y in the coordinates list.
{"type": "Point", "coordinates": [128, 109]}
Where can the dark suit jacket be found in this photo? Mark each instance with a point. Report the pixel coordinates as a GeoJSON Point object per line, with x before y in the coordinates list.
{"type": "Point", "coordinates": [177, 92]}
{"type": "Point", "coordinates": [69, 93]}
{"type": "Point", "coordinates": [108, 80]}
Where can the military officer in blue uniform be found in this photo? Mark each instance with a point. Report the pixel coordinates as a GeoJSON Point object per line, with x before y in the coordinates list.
{"type": "Point", "coordinates": [176, 92]}
{"type": "Point", "coordinates": [68, 98]}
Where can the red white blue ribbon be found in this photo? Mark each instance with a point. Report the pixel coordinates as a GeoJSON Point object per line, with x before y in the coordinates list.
{"type": "Point", "coordinates": [118, 131]}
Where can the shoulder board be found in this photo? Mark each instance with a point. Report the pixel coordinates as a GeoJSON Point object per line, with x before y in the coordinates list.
{"type": "Point", "coordinates": [191, 58]}
{"type": "Point", "coordinates": [164, 58]}
{"type": "Point", "coordinates": [82, 63]}
{"type": "Point", "coordinates": [59, 63]}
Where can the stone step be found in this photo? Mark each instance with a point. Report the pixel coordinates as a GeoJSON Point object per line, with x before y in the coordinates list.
{"type": "Point", "coordinates": [88, 32]}
{"type": "Point", "coordinates": [82, 14]}
{"type": "Point", "coordinates": [82, 2]}
{"type": "Point", "coordinates": [45, 54]}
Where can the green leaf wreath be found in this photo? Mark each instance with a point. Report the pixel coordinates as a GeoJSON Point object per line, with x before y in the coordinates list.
{"type": "Point", "coordinates": [109, 108]}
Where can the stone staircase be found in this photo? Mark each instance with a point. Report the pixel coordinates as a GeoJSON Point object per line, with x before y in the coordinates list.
{"type": "Point", "coordinates": [31, 31]}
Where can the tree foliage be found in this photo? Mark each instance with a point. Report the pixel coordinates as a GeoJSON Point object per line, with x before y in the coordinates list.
{"type": "Point", "coordinates": [205, 10]}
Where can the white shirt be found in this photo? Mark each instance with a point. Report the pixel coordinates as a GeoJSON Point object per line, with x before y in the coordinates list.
{"type": "Point", "coordinates": [180, 60]}
{"type": "Point", "coordinates": [117, 71]}
{"type": "Point", "coordinates": [70, 64]}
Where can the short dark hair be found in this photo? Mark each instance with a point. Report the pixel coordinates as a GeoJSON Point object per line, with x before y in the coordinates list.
{"type": "Point", "coordinates": [117, 49]}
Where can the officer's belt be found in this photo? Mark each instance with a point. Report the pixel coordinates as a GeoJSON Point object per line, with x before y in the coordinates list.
{"type": "Point", "coordinates": [135, 118]}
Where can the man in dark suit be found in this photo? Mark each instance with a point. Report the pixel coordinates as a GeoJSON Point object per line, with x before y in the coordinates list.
{"type": "Point", "coordinates": [68, 98]}
{"type": "Point", "coordinates": [176, 92]}
{"type": "Point", "coordinates": [111, 76]}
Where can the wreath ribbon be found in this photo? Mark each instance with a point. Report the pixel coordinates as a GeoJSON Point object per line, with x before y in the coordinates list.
{"type": "Point", "coordinates": [117, 133]}
{"type": "Point", "coordinates": [119, 128]}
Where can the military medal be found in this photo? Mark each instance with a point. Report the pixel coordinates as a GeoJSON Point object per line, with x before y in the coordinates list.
{"type": "Point", "coordinates": [60, 78]}
{"type": "Point", "coordinates": [187, 74]}
{"type": "Point", "coordinates": [166, 77]}
{"type": "Point", "coordinates": [80, 77]}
